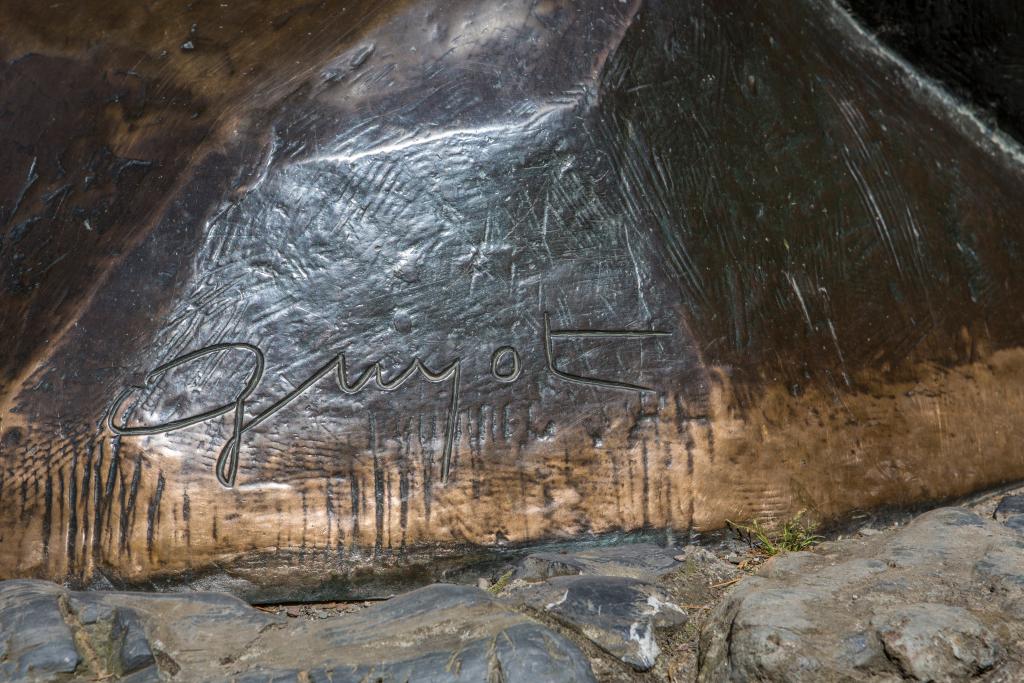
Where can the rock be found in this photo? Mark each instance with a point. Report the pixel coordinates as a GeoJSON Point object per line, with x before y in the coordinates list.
{"type": "Point", "coordinates": [129, 638]}
{"type": "Point", "coordinates": [148, 675]}
{"type": "Point", "coordinates": [1016, 523]}
{"type": "Point", "coordinates": [941, 599]}
{"type": "Point", "coordinates": [618, 614]}
{"type": "Point", "coordinates": [692, 584]}
{"type": "Point", "coordinates": [35, 641]}
{"type": "Point", "coordinates": [1002, 575]}
{"type": "Point", "coordinates": [642, 561]}
{"type": "Point", "coordinates": [935, 642]}
{"type": "Point", "coordinates": [696, 558]}
{"type": "Point", "coordinates": [437, 633]}
{"type": "Point", "coordinates": [89, 609]}
{"type": "Point", "coordinates": [1008, 508]}
{"type": "Point", "coordinates": [732, 546]}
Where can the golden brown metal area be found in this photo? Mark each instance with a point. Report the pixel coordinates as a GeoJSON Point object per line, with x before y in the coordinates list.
{"type": "Point", "coordinates": [305, 299]}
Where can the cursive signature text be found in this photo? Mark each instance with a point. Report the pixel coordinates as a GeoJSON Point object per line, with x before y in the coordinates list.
{"type": "Point", "coordinates": [506, 366]}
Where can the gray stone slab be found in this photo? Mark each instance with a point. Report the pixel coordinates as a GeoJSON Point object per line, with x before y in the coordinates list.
{"type": "Point", "coordinates": [643, 561]}
{"type": "Point", "coordinates": [618, 614]}
{"type": "Point", "coordinates": [441, 633]}
{"type": "Point", "coordinates": [1008, 507]}
{"type": "Point", "coordinates": [35, 642]}
{"type": "Point", "coordinates": [940, 600]}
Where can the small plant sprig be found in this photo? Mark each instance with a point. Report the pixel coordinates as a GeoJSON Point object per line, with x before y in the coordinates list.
{"type": "Point", "coordinates": [795, 535]}
{"type": "Point", "coordinates": [501, 583]}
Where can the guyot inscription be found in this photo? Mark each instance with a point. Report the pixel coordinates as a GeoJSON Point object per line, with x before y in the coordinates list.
{"type": "Point", "coordinates": [506, 366]}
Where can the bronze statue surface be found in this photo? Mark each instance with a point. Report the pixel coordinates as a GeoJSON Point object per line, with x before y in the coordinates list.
{"type": "Point", "coordinates": [302, 297]}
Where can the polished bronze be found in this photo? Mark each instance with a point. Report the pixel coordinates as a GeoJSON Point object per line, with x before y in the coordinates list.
{"type": "Point", "coordinates": [305, 298]}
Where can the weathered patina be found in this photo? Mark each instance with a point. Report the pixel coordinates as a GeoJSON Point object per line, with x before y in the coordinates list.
{"type": "Point", "coordinates": [302, 296]}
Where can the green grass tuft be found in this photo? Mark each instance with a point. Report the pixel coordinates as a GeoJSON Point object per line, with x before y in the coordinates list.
{"type": "Point", "coordinates": [500, 584]}
{"type": "Point", "coordinates": [795, 535]}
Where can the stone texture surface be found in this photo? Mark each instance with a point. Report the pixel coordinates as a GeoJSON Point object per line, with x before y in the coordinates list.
{"type": "Point", "coordinates": [35, 641]}
{"type": "Point", "coordinates": [437, 633]}
{"type": "Point", "coordinates": [617, 614]}
{"type": "Point", "coordinates": [643, 561]}
{"type": "Point", "coordinates": [608, 595]}
{"type": "Point", "coordinates": [940, 600]}
{"type": "Point", "coordinates": [931, 642]}
{"type": "Point", "coordinates": [1009, 506]}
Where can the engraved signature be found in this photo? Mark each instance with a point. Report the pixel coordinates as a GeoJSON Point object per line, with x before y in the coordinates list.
{"type": "Point", "coordinates": [506, 367]}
